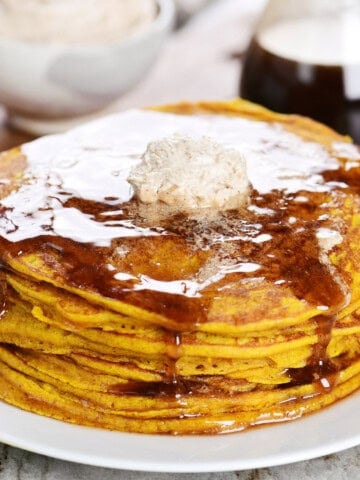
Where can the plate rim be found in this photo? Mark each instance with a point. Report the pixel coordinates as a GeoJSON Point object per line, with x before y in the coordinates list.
{"type": "Point", "coordinates": [62, 451]}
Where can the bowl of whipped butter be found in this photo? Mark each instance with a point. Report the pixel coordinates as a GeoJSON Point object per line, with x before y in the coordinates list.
{"type": "Point", "coordinates": [65, 59]}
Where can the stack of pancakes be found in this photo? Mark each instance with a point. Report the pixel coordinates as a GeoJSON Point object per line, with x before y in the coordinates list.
{"type": "Point", "coordinates": [203, 324]}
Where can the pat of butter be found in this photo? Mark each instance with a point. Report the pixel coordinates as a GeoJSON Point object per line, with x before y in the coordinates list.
{"type": "Point", "coordinates": [190, 174]}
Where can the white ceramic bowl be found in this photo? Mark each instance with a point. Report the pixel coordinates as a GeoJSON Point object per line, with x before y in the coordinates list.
{"type": "Point", "coordinates": [47, 82]}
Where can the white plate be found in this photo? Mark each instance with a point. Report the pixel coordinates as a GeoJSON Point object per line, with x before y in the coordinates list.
{"type": "Point", "coordinates": [334, 429]}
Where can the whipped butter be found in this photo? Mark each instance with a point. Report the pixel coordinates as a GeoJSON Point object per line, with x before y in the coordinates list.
{"type": "Point", "coordinates": [74, 21]}
{"type": "Point", "coordinates": [189, 174]}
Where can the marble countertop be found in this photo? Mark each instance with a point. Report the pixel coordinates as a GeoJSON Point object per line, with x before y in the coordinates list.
{"type": "Point", "coordinates": [197, 63]}
{"type": "Point", "coordinates": [19, 465]}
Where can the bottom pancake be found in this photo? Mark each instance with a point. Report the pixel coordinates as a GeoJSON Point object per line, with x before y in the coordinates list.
{"type": "Point", "coordinates": [191, 414]}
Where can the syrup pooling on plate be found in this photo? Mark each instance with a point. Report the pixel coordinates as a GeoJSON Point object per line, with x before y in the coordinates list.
{"type": "Point", "coordinates": [77, 207]}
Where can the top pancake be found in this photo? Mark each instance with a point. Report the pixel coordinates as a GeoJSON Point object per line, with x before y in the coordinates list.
{"type": "Point", "coordinates": [69, 219]}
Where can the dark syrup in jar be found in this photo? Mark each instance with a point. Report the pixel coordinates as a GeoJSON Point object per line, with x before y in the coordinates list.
{"type": "Point", "coordinates": [310, 67]}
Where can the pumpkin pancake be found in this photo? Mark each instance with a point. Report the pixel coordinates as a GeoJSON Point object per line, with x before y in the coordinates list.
{"type": "Point", "coordinates": [143, 317]}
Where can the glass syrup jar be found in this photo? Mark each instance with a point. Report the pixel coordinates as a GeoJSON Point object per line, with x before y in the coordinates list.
{"type": "Point", "coordinates": [304, 58]}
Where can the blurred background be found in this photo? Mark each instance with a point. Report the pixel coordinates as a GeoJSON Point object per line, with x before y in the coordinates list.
{"type": "Point", "coordinates": [66, 61]}
{"type": "Point", "coordinates": [196, 55]}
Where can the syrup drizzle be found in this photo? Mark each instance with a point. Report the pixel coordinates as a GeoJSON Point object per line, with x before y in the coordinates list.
{"type": "Point", "coordinates": [320, 370]}
{"type": "Point", "coordinates": [140, 260]}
